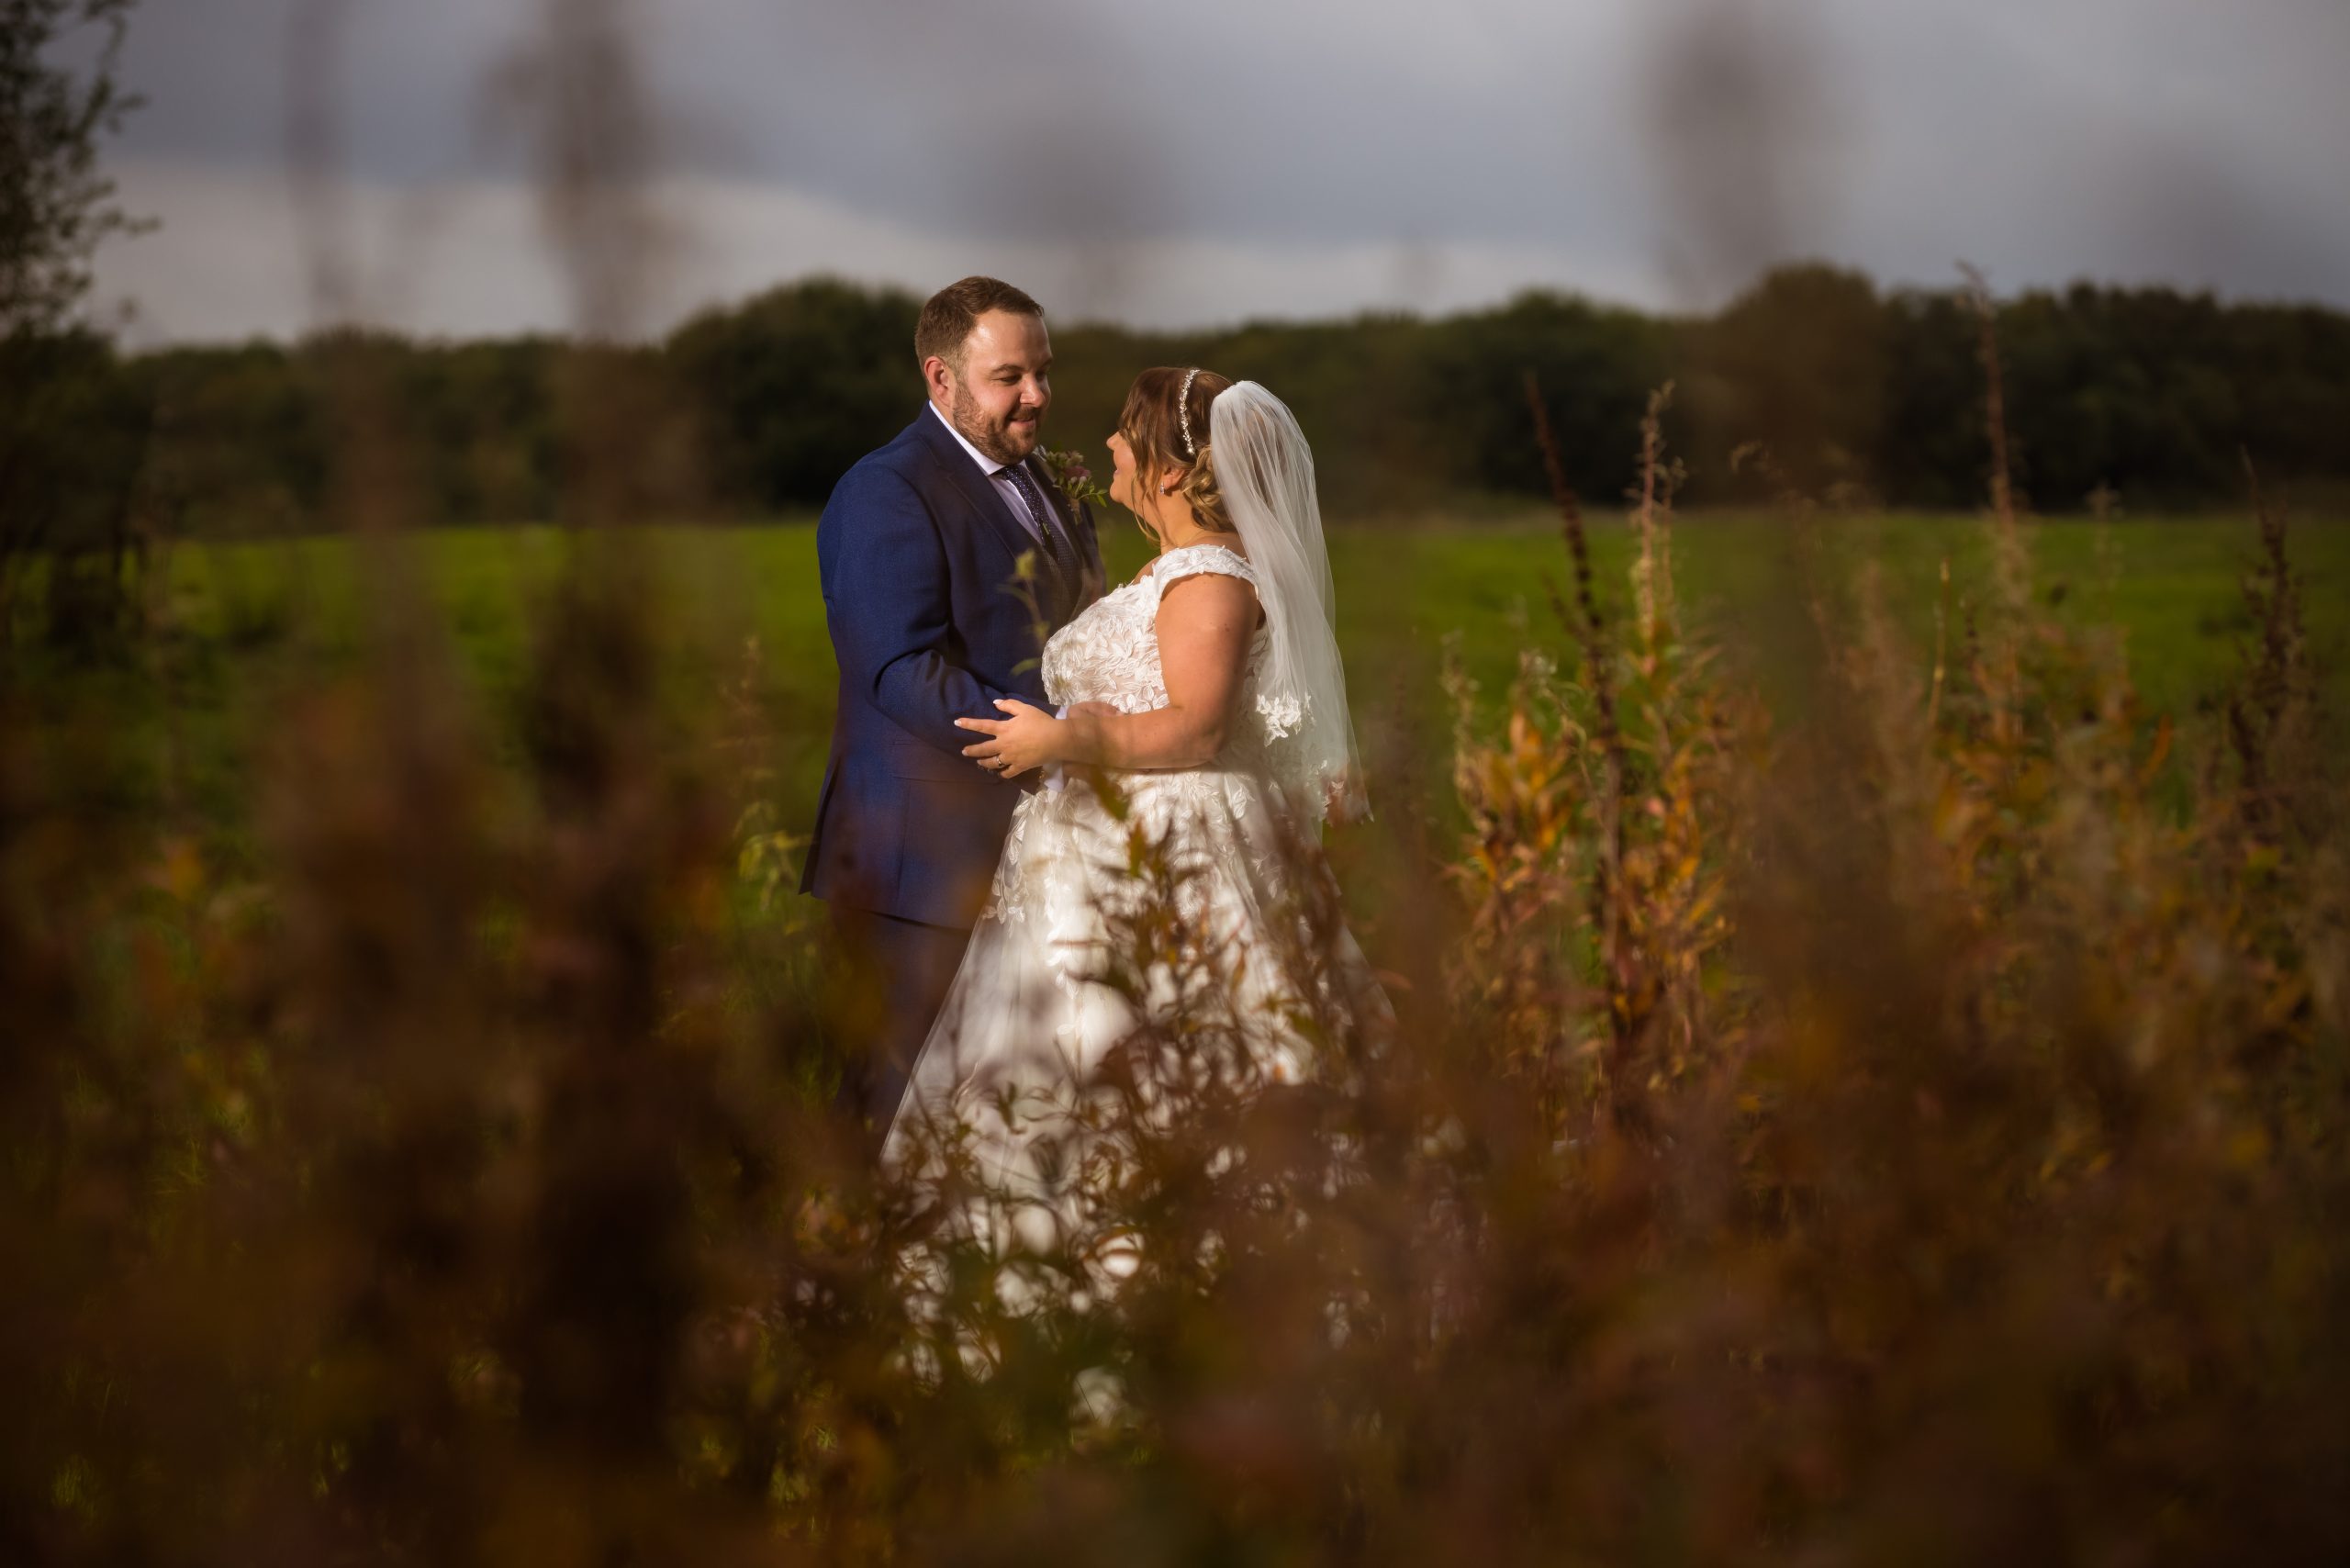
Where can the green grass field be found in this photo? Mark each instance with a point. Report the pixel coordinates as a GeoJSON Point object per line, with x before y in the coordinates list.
{"type": "Point", "coordinates": [247, 623]}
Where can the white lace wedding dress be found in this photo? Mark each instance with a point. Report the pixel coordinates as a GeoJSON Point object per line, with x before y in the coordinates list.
{"type": "Point", "coordinates": [1207, 874]}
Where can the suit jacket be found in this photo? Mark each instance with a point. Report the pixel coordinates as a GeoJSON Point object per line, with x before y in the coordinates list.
{"type": "Point", "coordinates": [920, 557]}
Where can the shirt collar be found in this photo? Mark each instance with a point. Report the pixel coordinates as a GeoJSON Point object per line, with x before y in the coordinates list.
{"type": "Point", "coordinates": [988, 465]}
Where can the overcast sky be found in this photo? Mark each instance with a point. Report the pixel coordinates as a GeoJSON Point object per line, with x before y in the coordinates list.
{"type": "Point", "coordinates": [1214, 159]}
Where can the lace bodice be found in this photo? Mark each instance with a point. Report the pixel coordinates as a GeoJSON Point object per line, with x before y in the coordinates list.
{"type": "Point", "coordinates": [1109, 653]}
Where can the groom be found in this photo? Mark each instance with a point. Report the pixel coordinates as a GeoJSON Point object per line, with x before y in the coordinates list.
{"type": "Point", "coordinates": [933, 617]}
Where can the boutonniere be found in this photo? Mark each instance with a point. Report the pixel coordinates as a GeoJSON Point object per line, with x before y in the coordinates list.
{"type": "Point", "coordinates": [1072, 479]}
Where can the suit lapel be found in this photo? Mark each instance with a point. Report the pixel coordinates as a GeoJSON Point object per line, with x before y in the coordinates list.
{"type": "Point", "coordinates": [1078, 529]}
{"type": "Point", "coordinates": [1097, 577]}
{"type": "Point", "coordinates": [1063, 591]}
{"type": "Point", "coordinates": [985, 501]}
{"type": "Point", "coordinates": [1078, 525]}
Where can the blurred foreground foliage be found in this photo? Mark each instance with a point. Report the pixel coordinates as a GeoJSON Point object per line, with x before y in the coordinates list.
{"type": "Point", "coordinates": [1892, 1131]}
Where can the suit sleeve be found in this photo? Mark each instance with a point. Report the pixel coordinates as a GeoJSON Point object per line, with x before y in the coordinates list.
{"type": "Point", "coordinates": [886, 599]}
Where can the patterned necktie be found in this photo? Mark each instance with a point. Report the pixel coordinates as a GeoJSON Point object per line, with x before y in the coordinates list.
{"type": "Point", "coordinates": [1059, 551]}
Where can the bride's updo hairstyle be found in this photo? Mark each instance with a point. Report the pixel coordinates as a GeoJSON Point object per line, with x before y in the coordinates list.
{"type": "Point", "coordinates": [1154, 425]}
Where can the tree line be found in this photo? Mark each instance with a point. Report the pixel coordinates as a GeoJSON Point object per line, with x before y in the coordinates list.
{"type": "Point", "coordinates": [1815, 381]}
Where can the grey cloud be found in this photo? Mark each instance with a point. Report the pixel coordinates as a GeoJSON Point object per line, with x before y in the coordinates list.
{"type": "Point", "coordinates": [1244, 121]}
{"type": "Point", "coordinates": [2044, 137]}
{"type": "Point", "coordinates": [214, 76]}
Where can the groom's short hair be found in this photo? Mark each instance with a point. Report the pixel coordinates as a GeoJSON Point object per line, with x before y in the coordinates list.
{"type": "Point", "coordinates": [950, 314]}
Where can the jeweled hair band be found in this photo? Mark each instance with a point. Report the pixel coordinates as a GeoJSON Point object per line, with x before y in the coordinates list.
{"type": "Point", "coordinates": [1184, 411]}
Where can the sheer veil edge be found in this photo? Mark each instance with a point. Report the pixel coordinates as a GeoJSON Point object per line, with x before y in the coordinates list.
{"type": "Point", "coordinates": [1265, 470]}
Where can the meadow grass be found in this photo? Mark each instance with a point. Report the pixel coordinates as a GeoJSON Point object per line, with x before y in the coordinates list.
{"type": "Point", "coordinates": [743, 604]}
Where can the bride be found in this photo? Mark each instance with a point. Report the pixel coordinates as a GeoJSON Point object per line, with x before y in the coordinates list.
{"type": "Point", "coordinates": [1168, 866]}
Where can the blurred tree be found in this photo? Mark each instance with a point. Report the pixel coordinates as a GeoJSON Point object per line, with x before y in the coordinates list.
{"type": "Point", "coordinates": [1930, 450]}
{"type": "Point", "coordinates": [1596, 365]}
{"type": "Point", "coordinates": [1796, 364]}
{"type": "Point", "coordinates": [2148, 394]}
{"type": "Point", "coordinates": [72, 448]}
{"type": "Point", "coordinates": [487, 429]}
{"type": "Point", "coordinates": [237, 433]}
{"type": "Point", "coordinates": [54, 203]}
{"type": "Point", "coordinates": [795, 386]}
{"type": "Point", "coordinates": [67, 481]}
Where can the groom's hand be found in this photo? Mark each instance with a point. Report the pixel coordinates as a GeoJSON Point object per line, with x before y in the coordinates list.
{"type": "Point", "coordinates": [1026, 738]}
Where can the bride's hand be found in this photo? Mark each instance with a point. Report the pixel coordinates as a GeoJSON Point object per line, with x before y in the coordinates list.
{"type": "Point", "coordinates": [1026, 739]}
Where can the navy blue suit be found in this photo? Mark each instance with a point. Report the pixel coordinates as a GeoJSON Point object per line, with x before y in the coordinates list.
{"type": "Point", "coordinates": [920, 558]}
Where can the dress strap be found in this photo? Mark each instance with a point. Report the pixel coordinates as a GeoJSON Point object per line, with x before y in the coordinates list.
{"type": "Point", "coordinates": [1193, 559]}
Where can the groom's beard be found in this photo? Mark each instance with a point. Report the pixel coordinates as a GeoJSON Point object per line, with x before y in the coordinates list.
{"type": "Point", "coordinates": [1002, 438]}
